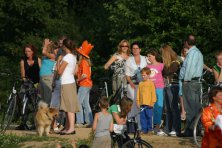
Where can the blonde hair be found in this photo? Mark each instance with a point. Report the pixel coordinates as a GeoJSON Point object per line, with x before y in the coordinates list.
{"type": "Point", "coordinates": [120, 49]}
{"type": "Point", "coordinates": [218, 53]}
{"type": "Point", "coordinates": [87, 59]}
{"type": "Point", "coordinates": [168, 55]}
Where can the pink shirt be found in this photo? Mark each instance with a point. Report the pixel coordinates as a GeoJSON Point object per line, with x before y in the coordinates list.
{"type": "Point", "coordinates": [156, 74]}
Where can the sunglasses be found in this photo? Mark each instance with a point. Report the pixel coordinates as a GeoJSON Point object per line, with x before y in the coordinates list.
{"type": "Point", "coordinates": [125, 46]}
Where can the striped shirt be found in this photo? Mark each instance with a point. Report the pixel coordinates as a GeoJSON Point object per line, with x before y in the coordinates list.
{"type": "Point", "coordinates": [192, 65]}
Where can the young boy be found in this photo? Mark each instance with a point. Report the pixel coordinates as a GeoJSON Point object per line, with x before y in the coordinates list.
{"type": "Point", "coordinates": [146, 97]}
{"type": "Point", "coordinates": [102, 126]}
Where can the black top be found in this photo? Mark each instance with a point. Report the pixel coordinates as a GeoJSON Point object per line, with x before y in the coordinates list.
{"type": "Point", "coordinates": [32, 71]}
{"type": "Point", "coordinates": [172, 72]}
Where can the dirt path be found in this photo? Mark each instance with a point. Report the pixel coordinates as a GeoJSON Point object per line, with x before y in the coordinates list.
{"type": "Point", "coordinates": [84, 133]}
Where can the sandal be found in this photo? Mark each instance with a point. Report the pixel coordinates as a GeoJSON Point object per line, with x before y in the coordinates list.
{"type": "Point", "coordinates": [183, 116]}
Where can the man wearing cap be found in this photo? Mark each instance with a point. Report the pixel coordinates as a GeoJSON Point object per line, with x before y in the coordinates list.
{"type": "Point", "coordinates": [85, 84]}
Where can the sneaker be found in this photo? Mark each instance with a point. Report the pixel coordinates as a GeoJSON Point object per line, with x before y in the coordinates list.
{"type": "Point", "coordinates": [87, 125]}
{"type": "Point", "coordinates": [161, 133]}
{"type": "Point", "coordinates": [22, 127]}
{"type": "Point", "coordinates": [172, 133]}
{"type": "Point", "coordinates": [79, 125]}
{"type": "Point", "coordinates": [155, 131]}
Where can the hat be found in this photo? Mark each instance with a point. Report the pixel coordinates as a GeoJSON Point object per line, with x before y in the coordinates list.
{"type": "Point", "coordinates": [85, 49]}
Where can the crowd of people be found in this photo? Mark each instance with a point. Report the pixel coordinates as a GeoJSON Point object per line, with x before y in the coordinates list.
{"type": "Point", "coordinates": [157, 80]}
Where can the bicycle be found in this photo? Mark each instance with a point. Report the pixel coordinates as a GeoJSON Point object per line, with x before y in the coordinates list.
{"type": "Point", "coordinates": [97, 92]}
{"type": "Point", "coordinates": [24, 106]}
{"type": "Point", "coordinates": [198, 130]}
{"type": "Point", "coordinates": [12, 102]}
{"type": "Point", "coordinates": [123, 139]}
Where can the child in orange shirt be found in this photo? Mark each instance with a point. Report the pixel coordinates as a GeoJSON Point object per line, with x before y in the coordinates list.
{"type": "Point", "coordinates": [146, 97]}
{"type": "Point", "coordinates": [213, 134]}
{"type": "Point", "coordinates": [85, 84]}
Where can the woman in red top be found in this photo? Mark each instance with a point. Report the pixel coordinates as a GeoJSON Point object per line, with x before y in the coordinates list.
{"type": "Point", "coordinates": [213, 134]}
{"type": "Point", "coordinates": [85, 84]}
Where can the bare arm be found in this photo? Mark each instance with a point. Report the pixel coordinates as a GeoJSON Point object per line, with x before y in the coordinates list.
{"type": "Point", "coordinates": [83, 76]}
{"type": "Point", "coordinates": [95, 121]}
{"type": "Point", "coordinates": [111, 60]}
{"type": "Point", "coordinates": [61, 67]}
{"type": "Point", "coordinates": [22, 69]}
{"type": "Point", "coordinates": [111, 126]}
{"type": "Point", "coordinates": [130, 82]}
{"type": "Point", "coordinates": [39, 62]}
{"type": "Point", "coordinates": [217, 76]}
{"type": "Point", "coordinates": [120, 121]}
{"type": "Point", "coordinates": [207, 68]}
{"type": "Point", "coordinates": [45, 52]}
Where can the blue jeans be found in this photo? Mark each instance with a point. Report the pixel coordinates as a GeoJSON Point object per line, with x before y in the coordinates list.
{"type": "Point", "coordinates": [146, 118]}
{"type": "Point", "coordinates": [173, 112]}
{"type": "Point", "coordinates": [85, 110]}
{"type": "Point", "coordinates": [158, 107]}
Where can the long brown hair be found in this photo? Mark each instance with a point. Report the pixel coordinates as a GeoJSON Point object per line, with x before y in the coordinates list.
{"type": "Point", "coordinates": [125, 106]}
{"type": "Point", "coordinates": [32, 47]}
{"type": "Point", "coordinates": [168, 55]}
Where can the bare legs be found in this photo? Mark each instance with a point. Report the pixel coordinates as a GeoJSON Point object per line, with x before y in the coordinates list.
{"type": "Point", "coordinates": [70, 120]}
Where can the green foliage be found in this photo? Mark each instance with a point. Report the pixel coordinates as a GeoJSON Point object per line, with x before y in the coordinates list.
{"type": "Point", "coordinates": [155, 22]}
{"type": "Point", "coordinates": [105, 22]}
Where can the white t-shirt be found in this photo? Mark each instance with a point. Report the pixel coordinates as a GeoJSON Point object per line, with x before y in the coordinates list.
{"type": "Point", "coordinates": [68, 74]}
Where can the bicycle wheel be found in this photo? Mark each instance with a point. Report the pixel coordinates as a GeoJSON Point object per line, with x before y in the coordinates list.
{"type": "Point", "coordinates": [8, 115]}
{"type": "Point", "coordinates": [136, 144]}
{"type": "Point", "coordinates": [198, 130]}
{"type": "Point", "coordinates": [205, 100]}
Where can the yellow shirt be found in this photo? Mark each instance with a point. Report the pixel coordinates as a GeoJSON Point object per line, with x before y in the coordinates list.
{"type": "Point", "coordinates": [146, 93]}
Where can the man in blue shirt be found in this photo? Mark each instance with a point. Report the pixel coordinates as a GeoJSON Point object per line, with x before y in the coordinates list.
{"type": "Point", "coordinates": [190, 74]}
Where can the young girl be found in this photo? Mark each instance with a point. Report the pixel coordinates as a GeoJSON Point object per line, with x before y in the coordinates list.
{"type": "Point", "coordinates": [85, 84]}
{"type": "Point", "coordinates": [156, 76]}
{"type": "Point", "coordinates": [171, 72]}
{"type": "Point", "coordinates": [213, 134]}
{"type": "Point", "coordinates": [217, 68]}
{"type": "Point", "coordinates": [146, 98]}
{"type": "Point", "coordinates": [120, 111]}
{"type": "Point", "coordinates": [102, 126]}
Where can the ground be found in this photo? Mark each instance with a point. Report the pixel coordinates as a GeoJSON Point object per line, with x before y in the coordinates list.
{"type": "Point", "coordinates": [84, 133]}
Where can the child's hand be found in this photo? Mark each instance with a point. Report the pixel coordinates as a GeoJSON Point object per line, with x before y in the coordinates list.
{"type": "Point", "coordinates": [133, 85]}
{"type": "Point", "coordinates": [123, 121]}
{"type": "Point", "coordinates": [138, 106]}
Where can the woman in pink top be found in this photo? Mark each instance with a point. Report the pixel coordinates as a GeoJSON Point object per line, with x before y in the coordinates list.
{"type": "Point", "coordinates": [156, 76]}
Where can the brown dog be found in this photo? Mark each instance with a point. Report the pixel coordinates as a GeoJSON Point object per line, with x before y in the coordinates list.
{"type": "Point", "coordinates": [44, 117]}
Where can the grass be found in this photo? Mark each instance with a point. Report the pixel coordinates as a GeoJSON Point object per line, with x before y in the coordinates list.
{"type": "Point", "coordinates": [12, 140]}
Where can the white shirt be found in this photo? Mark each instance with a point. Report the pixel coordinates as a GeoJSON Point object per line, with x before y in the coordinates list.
{"type": "Point", "coordinates": [131, 66]}
{"type": "Point", "coordinates": [68, 74]}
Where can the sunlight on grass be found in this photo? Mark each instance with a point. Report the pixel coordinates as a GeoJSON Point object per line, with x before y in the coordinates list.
{"type": "Point", "coordinates": [12, 140]}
